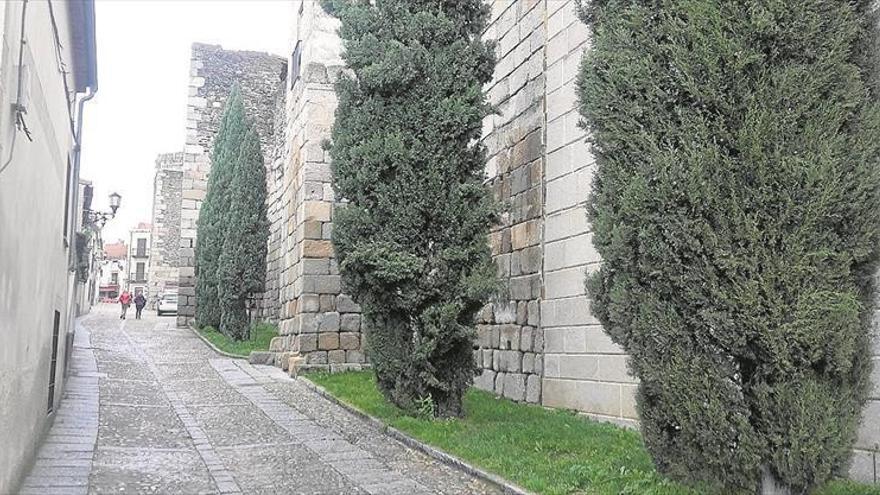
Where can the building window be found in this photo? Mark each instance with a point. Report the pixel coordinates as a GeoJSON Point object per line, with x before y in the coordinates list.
{"type": "Point", "coordinates": [295, 62]}
{"type": "Point", "coordinates": [139, 272]}
{"type": "Point", "coordinates": [53, 363]}
{"type": "Point", "coordinates": [114, 278]}
{"type": "Point", "coordinates": [141, 247]}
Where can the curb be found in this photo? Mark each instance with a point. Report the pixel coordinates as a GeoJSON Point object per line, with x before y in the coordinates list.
{"type": "Point", "coordinates": [212, 346]}
{"type": "Point", "coordinates": [506, 487]}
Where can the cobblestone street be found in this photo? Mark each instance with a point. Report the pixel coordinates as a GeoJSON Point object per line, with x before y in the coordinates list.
{"type": "Point", "coordinates": [149, 408]}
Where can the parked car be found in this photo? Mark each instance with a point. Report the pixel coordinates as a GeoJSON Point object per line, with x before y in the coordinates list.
{"type": "Point", "coordinates": [167, 304]}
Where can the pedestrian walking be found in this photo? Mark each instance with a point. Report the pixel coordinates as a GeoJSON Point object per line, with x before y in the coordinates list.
{"type": "Point", "coordinates": [139, 302]}
{"type": "Point", "coordinates": [125, 301]}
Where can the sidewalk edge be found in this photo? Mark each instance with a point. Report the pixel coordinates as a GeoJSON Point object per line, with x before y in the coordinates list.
{"type": "Point", "coordinates": [448, 459]}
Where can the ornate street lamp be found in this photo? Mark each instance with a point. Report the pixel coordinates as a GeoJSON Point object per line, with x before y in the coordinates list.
{"type": "Point", "coordinates": [99, 218]}
{"type": "Point", "coordinates": [115, 200]}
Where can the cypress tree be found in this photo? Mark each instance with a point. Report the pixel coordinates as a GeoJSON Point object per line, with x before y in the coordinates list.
{"type": "Point", "coordinates": [242, 267]}
{"type": "Point", "coordinates": [412, 238]}
{"type": "Point", "coordinates": [211, 223]}
{"type": "Point", "coordinates": [735, 204]}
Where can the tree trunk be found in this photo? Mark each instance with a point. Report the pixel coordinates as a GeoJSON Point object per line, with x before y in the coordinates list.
{"type": "Point", "coordinates": [771, 485]}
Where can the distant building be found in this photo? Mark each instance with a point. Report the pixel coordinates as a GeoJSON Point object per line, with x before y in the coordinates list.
{"type": "Point", "coordinates": [139, 259]}
{"type": "Point", "coordinates": [48, 70]}
{"type": "Point", "coordinates": [163, 272]}
{"type": "Point", "coordinates": [113, 272]}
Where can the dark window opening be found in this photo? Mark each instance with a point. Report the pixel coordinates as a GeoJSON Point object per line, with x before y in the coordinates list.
{"type": "Point", "coordinates": [141, 247]}
{"type": "Point", "coordinates": [295, 62]}
{"type": "Point", "coordinates": [53, 364]}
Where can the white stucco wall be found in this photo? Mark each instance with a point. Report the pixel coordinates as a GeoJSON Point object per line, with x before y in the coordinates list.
{"type": "Point", "coordinates": [34, 277]}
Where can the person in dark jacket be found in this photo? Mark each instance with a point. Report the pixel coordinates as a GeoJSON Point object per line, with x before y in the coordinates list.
{"type": "Point", "coordinates": [139, 302]}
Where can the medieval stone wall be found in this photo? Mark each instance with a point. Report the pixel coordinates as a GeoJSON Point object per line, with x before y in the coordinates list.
{"type": "Point", "coordinates": [214, 71]}
{"type": "Point", "coordinates": [316, 319]}
{"type": "Point", "coordinates": [268, 303]}
{"type": "Point", "coordinates": [510, 334]}
{"type": "Point", "coordinates": [165, 249]}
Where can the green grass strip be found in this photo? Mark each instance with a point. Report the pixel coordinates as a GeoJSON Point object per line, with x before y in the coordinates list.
{"type": "Point", "coordinates": [261, 336]}
{"type": "Point", "coordinates": [545, 451]}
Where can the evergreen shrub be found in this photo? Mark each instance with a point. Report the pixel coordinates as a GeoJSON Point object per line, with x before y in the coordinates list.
{"type": "Point", "coordinates": [736, 206]}
{"type": "Point", "coordinates": [232, 227]}
{"type": "Point", "coordinates": [411, 238]}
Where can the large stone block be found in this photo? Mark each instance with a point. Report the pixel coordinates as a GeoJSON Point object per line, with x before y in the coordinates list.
{"type": "Point", "coordinates": [515, 386]}
{"type": "Point", "coordinates": [345, 304]}
{"type": "Point", "coordinates": [328, 341]}
{"type": "Point", "coordinates": [336, 357]}
{"type": "Point", "coordinates": [509, 361]}
{"type": "Point", "coordinates": [509, 337]}
{"type": "Point", "coordinates": [568, 312]}
{"type": "Point", "coordinates": [533, 389]}
{"type": "Point", "coordinates": [869, 430]}
{"type": "Point", "coordinates": [329, 322]}
{"type": "Point", "coordinates": [308, 342]}
{"type": "Point", "coordinates": [349, 340]}
{"type": "Point", "coordinates": [590, 397]}
{"type": "Point", "coordinates": [351, 322]}
{"type": "Point", "coordinates": [525, 234]}
{"type": "Point", "coordinates": [505, 312]}
{"type": "Point", "coordinates": [317, 249]}
{"type": "Point", "coordinates": [486, 381]}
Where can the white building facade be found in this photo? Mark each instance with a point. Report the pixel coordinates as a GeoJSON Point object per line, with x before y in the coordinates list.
{"type": "Point", "coordinates": [139, 260]}
{"type": "Point", "coordinates": [48, 71]}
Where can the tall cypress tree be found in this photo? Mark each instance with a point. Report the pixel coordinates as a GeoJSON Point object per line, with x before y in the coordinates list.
{"type": "Point", "coordinates": [242, 267]}
{"type": "Point", "coordinates": [736, 205]}
{"type": "Point", "coordinates": [412, 238]}
{"type": "Point", "coordinates": [212, 221]}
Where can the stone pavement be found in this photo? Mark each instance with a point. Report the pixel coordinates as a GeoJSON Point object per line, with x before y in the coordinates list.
{"type": "Point", "coordinates": [148, 408]}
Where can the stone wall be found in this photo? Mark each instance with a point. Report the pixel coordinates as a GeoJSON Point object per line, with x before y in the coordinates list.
{"type": "Point", "coordinates": [213, 72]}
{"type": "Point", "coordinates": [268, 303]}
{"type": "Point", "coordinates": [510, 335]}
{"type": "Point", "coordinates": [316, 320]}
{"type": "Point", "coordinates": [583, 369]}
{"type": "Point", "coordinates": [165, 250]}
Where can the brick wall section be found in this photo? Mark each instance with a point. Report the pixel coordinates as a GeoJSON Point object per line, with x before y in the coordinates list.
{"type": "Point", "coordinates": [213, 73]}
{"type": "Point", "coordinates": [316, 320]}
{"type": "Point", "coordinates": [583, 369]}
{"type": "Point", "coordinates": [510, 339]}
{"type": "Point", "coordinates": [165, 250]}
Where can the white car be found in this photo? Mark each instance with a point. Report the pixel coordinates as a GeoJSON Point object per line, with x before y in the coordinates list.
{"type": "Point", "coordinates": [167, 304]}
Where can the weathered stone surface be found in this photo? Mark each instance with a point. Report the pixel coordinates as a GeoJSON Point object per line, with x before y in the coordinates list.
{"type": "Point", "coordinates": [345, 304]}
{"type": "Point", "coordinates": [509, 360]}
{"type": "Point", "coordinates": [329, 322]}
{"type": "Point", "coordinates": [351, 322]}
{"type": "Point", "coordinates": [349, 340]}
{"type": "Point", "coordinates": [328, 341]}
{"type": "Point", "coordinates": [262, 357]}
{"type": "Point", "coordinates": [515, 386]}
{"type": "Point", "coordinates": [276, 344]}
{"type": "Point", "coordinates": [509, 337]}
{"type": "Point", "coordinates": [533, 389]}
{"type": "Point", "coordinates": [336, 357]}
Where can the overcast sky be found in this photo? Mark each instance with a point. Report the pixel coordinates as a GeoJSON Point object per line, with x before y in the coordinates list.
{"type": "Point", "coordinates": [143, 73]}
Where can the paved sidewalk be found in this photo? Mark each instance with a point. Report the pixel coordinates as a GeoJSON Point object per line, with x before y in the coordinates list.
{"type": "Point", "coordinates": [173, 417]}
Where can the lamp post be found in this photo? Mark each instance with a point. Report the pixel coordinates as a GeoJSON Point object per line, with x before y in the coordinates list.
{"type": "Point", "coordinates": [98, 218]}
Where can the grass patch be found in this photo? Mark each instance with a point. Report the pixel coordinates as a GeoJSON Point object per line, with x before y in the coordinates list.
{"type": "Point", "coordinates": [545, 451]}
{"type": "Point", "coordinates": [261, 335]}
